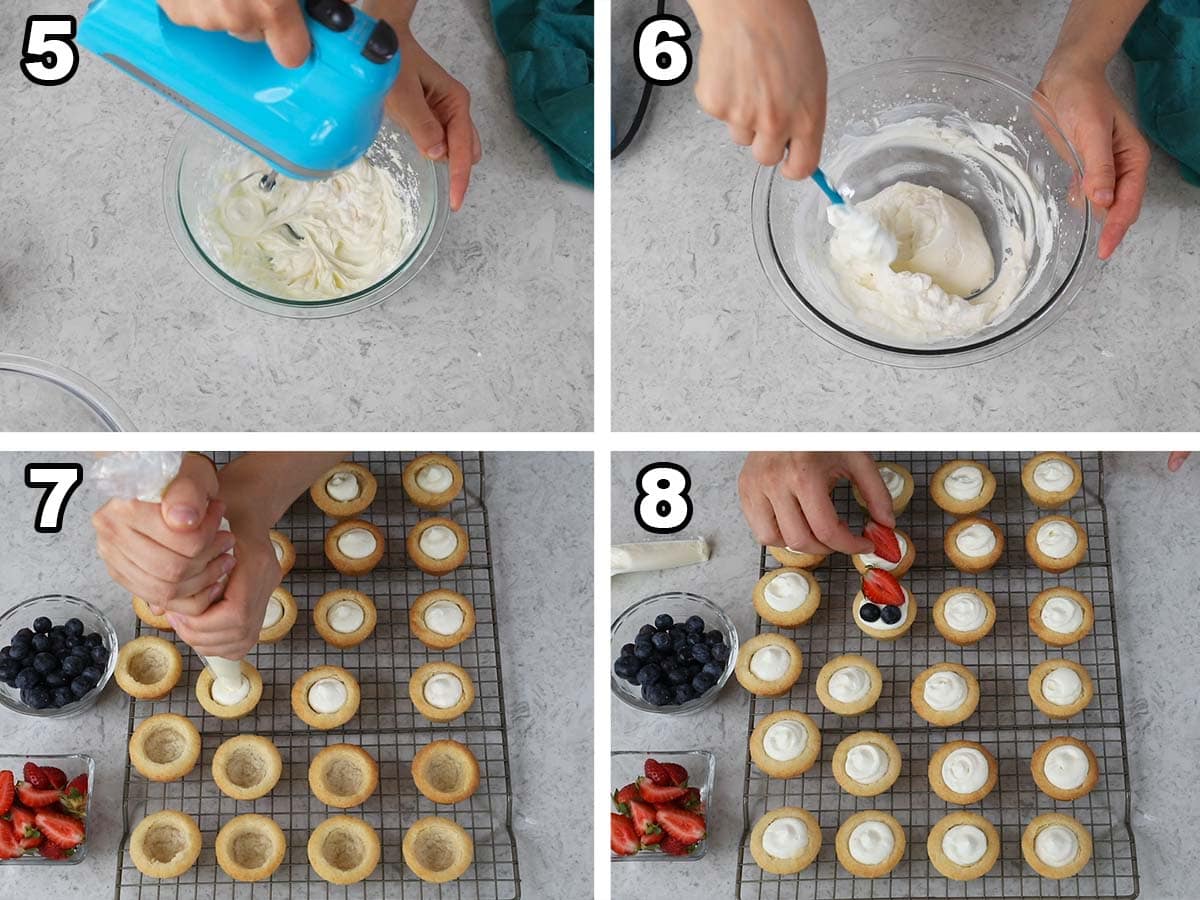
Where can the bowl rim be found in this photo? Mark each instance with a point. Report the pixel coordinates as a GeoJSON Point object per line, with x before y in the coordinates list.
{"type": "Point", "coordinates": [916, 357]}
{"type": "Point", "coordinates": [706, 794]}
{"type": "Point", "coordinates": [691, 706]}
{"type": "Point", "coordinates": [72, 383]}
{"type": "Point", "coordinates": [71, 709]}
{"type": "Point", "coordinates": [418, 256]}
{"type": "Point", "coordinates": [90, 764]}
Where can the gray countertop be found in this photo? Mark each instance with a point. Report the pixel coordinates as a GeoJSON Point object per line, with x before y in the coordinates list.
{"type": "Point", "coordinates": [702, 342]}
{"type": "Point", "coordinates": [549, 716]}
{"type": "Point", "coordinates": [1153, 538]}
{"type": "Point", "coordinates": [494, 334]}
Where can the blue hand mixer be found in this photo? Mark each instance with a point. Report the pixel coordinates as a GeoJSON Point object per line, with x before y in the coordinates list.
{"type": "Point", "coordinates": [308, 122]}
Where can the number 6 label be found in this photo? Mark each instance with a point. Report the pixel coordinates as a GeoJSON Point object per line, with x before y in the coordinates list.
{"type": "Point", "coordinates": [61, 479]}
{"type": "Point", "coordinates": [663, 505]}
{"type": "Point", "coordinates": [661, 53]}
{"type": "Point", "coordinates": [49, 56]}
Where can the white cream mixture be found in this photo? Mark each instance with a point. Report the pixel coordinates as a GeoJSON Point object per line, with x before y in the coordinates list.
{"type": "Point", "coordinates": [309, 240]}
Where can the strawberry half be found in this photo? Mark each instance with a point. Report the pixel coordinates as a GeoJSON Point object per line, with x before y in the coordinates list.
{"type": "Point", "coordinates": [686, 827]}
{"type": "Point", "coordinates": [25, 828]}
{"type": "Point", "coordinates": [691, 800]}
{"type": "Point", "coordinates": [57, 777]}
{"type": "Point", "coordinates": [656, 794]}
{"type": "Point", "coordinates": [8, 791]}
{"type": "Point", "coordinates": [679, 775]}
{"type": "Point", "coordinates": [36, 798]}
{"type": "Point", "coordinates": [622, 797]}
{"type": "Point", "coordinates": [35, 775]}
{"type": "Point", "coordinates": [10, 848]}
{"type": "Point", "coordinates": [51, 850]}
{"type": "Point", "coordinates": [649, 840]}
{"type": "Point", "coordinates": [675, 847]}
{"type": "Point", "coordinates": [658, 773]}
{"type": "Point", "coordinates": [643, 818]}
{"type": "Point", "coordinates": [887, 545]}
{"type": "Point", "coordinates": [62, 829]}
{"type": "Point", "coordinates": [74, 798]}
{"type": "Point", "coordinates": [624, 839]}
{"type": "Point", "coordinates": [882, 587]}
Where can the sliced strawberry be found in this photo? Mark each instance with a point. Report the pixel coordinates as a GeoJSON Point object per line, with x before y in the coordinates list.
{"type": "Point", "coordinates": [8, 791]}
{"type": "Point", "coordinates": [649, 840]}
{"type": "Point", "coordinates": [58, 778]}
{"type": "Point", "coordinates": [64, 830]}
{"type": "Point", "coordinates": [51, 850]}
{"type": "Point", "coordinates": [74, 798]}
{"type": "Point", "coordinates": [882, 587]}
{"type": "Point", "coordinates": [676, 847]}
{"type": "Point", "coordinates": [622, 797]}
{"type": "Point", "coordinates": [684, 826]}
{"type": "Point", "coordinates": [10, 848]}
{"type": "Point", "coordinates": [691, 800]}
{"type": "Point", "coordinates": [36, 776]}
{"type": "Point", "coordinates": [654, 793]}
{"type": "Point", "coordinates": [643, 818]}
{"type": "Point", "coordinates": [36, 798]}
{"type": "Point", "coordinates": [658, 773]}
{"type": "Point", "coordinates": [679, 775]}
{"type": "Point", "coordinates": [25, 828]}
{"type": "Point", "coordinates": [624, 837]}
{"type": "Point", "coordinates": [887, 545]}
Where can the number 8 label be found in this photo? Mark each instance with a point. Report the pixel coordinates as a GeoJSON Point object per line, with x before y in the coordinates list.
{"type": "Point", "coordinates": [663, 505]}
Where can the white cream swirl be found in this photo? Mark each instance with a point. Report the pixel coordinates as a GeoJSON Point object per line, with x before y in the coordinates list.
{"type": "Point", "coordinates": [1062, 686]}
{"type": "Point", "coordinates": [442, 690]}
{"type": "Point", "coordinates": [849, 684]}
{"type": "Point", "coordinates": [965, 612]}
{"type": "Point", "coordinates": [327, 695]}
{"type": "Point", "coordinates": [1061, 614]}
{"type": "Point", "coordinates": [976, 539]}
{"type": "Point", "coordinates": [438, 542]}
{"type": "Point", "coordinates": [785, 837]}
{"type": "Point", "coordinates": [1056, 845]}
{"type": "Point", "coordinates": [1053, 476]}
{"type": "Point", "coordinates": [866, 763]}
{"type": "Point", "coordinates": [346, 617]}
{"type": "Point", "coordinates": [343, 486]}
{"type": "Point", "coordinates": [356, 543]}
{"type": "Point", "coordinates": [786, 592]}
{"type": "Point", "coordinates": [1067, 767]}
{"type": "Point", "coordinates": [964, 483]}
{"type": "Point", "coordinates": [892, 480]}
{"type": "Point", "coordinates": [435, 478]}
{"type": "Point", "coordinates": [965, 770]}
{"type": "Point", "coordinates": [770, 663]}
{"type": "Point", "coordinates": [273, 614]}
{"type": "Point", "coordinates": [785, 740]}
{"type": "Point", "coordinates": [871, 842]}
{"type": "Point", "coordinates": [443, 617]}
{"type": "Point", "coordinates": [1057, 539]}
{"type": "Point", "coordinates": [964, 845]}
{"type": "Point", "coordinates": [945, 690]}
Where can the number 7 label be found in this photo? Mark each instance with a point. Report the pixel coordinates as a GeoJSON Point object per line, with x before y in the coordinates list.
{"type": "Point", "coordinates": [61, 480]}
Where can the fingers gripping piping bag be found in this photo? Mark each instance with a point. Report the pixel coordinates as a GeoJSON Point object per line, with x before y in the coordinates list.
{"type": "Point", "coordinates": [145, 476]}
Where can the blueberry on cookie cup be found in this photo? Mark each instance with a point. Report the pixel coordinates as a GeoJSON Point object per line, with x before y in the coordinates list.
{"type": "Point", "coordinates": [870, 844]}
{"type": "Point", "coordinates": [441, 691]}
{"type": "Point", "coordinates": [1061, 616]}
{"type": "Point", "coordinates": [1051, 479]}
{"type": "Point", "coordinates": [796, 559]}
{"type": "Point", "coordinates": [964, 615]}
{"type": "Point", "coordinates": [785, 840]}
{"type": "Point", "coordinates": [866, 763]}
{"type": "Point", "coordinates": [148, 668]}
{"type": "Point", "coordinates": [945, 694]}
{"type": "Point", "coordinates": [278, 617]}
{"type": "Point", "coordinates": [1056, 846]}
{"type": "Point", "coordinates": [354, 547]}
{"type": "Point", "coordinates": [345, 490]}
{"type": "Point", "coordinates": [345, 618]}
{"type": "Point", "coordinates": [437, 546]}
{"type": "Point", "coordinates": [441, 619]}
{"type": "Point", "coordinates": [963, 772]}
{"type": "Point", "coordinates": [769, 664]}
{"type": "Point", "coordinates": [250, 847]}
{"type": "Point", "coordinates": [1065, 768]}
{"type": "Point", "coordinates": [285, 551]}
{"type": "Point", "coordinates": [432, 481]}
{"type": "Point", "coordinates": [963, 846]}
{"type": "Point", "coordinates": [899, 483]}
{"type": "Point", "coordinates": [785, 744]}
{"type": "Point", "coordinates": [962, 487]}
{"type": "Point", "coordinates": [325, 697]}
{"type": "Point", "coordinates": [1056, 544]}
{"type": "Point", "coordinates": [1060, 688]}
{"type": "Point", "coordinates": [849, 685]}
{"type": "Point", "coordinates": [787, 597]}
{"type": "Point", "coordinates": [884, 608]}
{"type": "Point", "coordinates": [973, 544]}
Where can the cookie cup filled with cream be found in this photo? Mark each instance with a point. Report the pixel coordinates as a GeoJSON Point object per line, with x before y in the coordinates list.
{"type": "Point", "coordinates": [325, 697]}
{"type": "Point", "coordinates": [354, 546]}
{"type": "Point", "coordinates": [1061, 616]}
{"type": "Point", "coordinates": [962, 487]}
{"type": "Point", "coordinates": [1056, 544]}
{"type": "Point", "coordinates": [849, 685]}
{"type": "Point", "coordinates": [785, 743]}
{"type": "Point", "coordinates": [870, 844]}
{"type": "Point", "coordinates": [973, 544]}
{"type": "Point", "coordinates": [441, 619]}
{"type": "Point", "coordinates": [1051, 479]}
{"type": "Point", "coordinates": [787, 597]}
{"type": "Point", "coordinates": [441, 691]}
{"type": "Point", "coordinates": [964, 615]}
{"type": "Point", "coordinates": [908, 556]}
{"type": "Point", "coordinates": [344, 618]}
{"type": "Point", "coordinates": [344, 490]}
{"type": "Point", "coordinates": [437, 546]}
{"type": "Point", "coordinates": [963, 846]}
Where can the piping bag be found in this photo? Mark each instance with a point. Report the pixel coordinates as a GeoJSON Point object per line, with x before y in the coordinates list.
{"type": "Point", "coordinates": [144, 476]}
{"type": "Point", "coordinates": [649, 556]}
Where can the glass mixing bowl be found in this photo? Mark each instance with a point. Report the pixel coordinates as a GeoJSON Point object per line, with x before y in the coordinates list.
{"type": "Point", "coordinates": [791, 232]}
{"type": "Point", "coordinates": [38, 396]}
{"type": "Point", "coordinates": [199, 154]}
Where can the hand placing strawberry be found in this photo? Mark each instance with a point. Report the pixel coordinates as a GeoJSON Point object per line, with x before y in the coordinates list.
{"type": "Point", "coordinates": [882, 587]}
{"type": "Point", "coordinates": [887, 545]}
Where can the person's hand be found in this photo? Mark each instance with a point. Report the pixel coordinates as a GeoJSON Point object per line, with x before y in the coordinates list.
{"type": "Point", "coordinates": [230, 627]}
{"type": "Point", "coordinates": [762, 72]}
{"type": "Point", "coordinates": [785, 499]}
{"type": "Point", "coordinates": [436, 110]}
{"type": "Point", "coordinates": [1116, 158]}
{"type": "Point", "coordinates": [278, 22]}
{"type": "Point", "coordinates": [1176, 460]}
{"type": "Point", "coordinates": [170, 551]}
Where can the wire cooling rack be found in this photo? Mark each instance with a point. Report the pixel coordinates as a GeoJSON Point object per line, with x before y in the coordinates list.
{"type": "Point", "coordinates": [387, 725]}
{"type": "Point", "coordinates": [1006, 722]}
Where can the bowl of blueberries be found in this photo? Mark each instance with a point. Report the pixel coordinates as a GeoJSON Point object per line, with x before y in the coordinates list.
{"type": "Point", "coordinates": [672, 653]}
{"type": "Point", "coordinates": [59, 655]}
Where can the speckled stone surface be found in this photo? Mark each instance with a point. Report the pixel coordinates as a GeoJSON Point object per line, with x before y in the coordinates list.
{"type": "Point", "coordinates": [702, 342]}
{"type": "Point", "coordinates": [1152, 528]}
{"type": "Point", "coordinates": [494, 334]}
{"type": "Point", "coordinates": [549, 716]}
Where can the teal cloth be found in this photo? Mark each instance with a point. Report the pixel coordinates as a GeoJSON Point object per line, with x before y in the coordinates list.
{"type": "Point", "coordinates": [549, 45]}
{"type": "Point", "coordinates": [1164, 45]}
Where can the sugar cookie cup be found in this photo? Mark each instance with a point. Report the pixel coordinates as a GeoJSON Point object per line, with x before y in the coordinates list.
{"type": "Point", "coordinates": [787, 597]}
{"type": "Point", "coordinates": [278, 617]}
{"type": "Point", "coordinates": [164, 747]}
{"type": "Point", "coordinates": [973, 544]}
{"type": "Point", "coordinates": [787, 828]}
{"type": "Point", "coordinates": [242, 707]}
{"type": "Point", "coordinates": [446, 771]}
{"type": "Point", "coordinates": [1060, 688]}
{"type": "Point", "coordinates": [345, 618]}
{"type": "Point", "coordinates": [964, 615]}
{"type": "Point", "coordinates": [1056, 846]}
{"type": "Point", "coordinates": [149, 617]}
{"type": "Point", "coordinates": [344, 490]}
{"type": "Point", "coordinates": [343, 850]}
{"type": "Point", "coordinates": [432, 481]}
{"type": "Point", "coordinates": [441, 619]}
{"type": "Point", "coordinates": [343, 775]}
{"type": "Point", "coordinates": [1051, 479]}
{"type": "Point", "coordinates": [437, 850]}
{"type": "Point", "coordinates": [963, 772]}
{"type": "Point", "coordinates": [849, 685]}
{"type": "Point", "coordinates": [246, 767]}
{"type": "Point", "coordinates": [962, 487]}
{"type": "Point", "coordinates": [1056, 544]}
{"type": "Point", "coordinates": [1065, 768]}
{"type": "Point", "coordinates": [899, 483]}
{"type": "Point", "coordinates": [441, 691]}
{"type": "Point", "coordinates": [326, 697]}
{"type": "Point", "coordinates": [1061, 616]}
{"type": "Point", "coordinates": [945, 694]}
{"type": "Point", "coordinates": [971, 839]}
{"type": "Point", "coordinates": [354, 546]}
{"type": "Point", "coordinates": [878, 628]}
{"type": "Point", "coordinates": [796, 559]}
{"type": "Point", "coordinates": [250, 847]}
{"type": "Point", "coordinates": [866, 763]}
{"type": "Point", "coordinates": [908, 555]}
{"type": "Point", "coordinates": [437, 546]}
{"type": "Point", "coordinates": [285, 551]}
{"type": "Point", "coordinates": [148, 668]}
{"type": "Point", "coordinates": [165, 844]}
{"type": "Point", "coordinates": [785, 744]}
{"type": "Point", "coordinates": [769, 664]}
{"type": "Point", "coordinates": [870, 843]}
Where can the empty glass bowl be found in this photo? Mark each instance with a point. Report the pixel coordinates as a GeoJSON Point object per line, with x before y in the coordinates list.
{"type": "Point", "coordinates": [791, 231]}
{"type": "Point", "coordinates": [39, 396]}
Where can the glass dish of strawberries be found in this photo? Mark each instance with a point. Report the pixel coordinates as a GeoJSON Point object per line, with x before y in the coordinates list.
{"type": "Point", "coordinates": [660, 804]}
{"type": "Point", "coordinates": [44, 804]}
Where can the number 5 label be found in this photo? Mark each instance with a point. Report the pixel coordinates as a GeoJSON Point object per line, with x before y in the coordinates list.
{"type": "Point", "coordinates": [663, 505]}
{"type": "Point", "coordinates": [661, 53]}
{"type": "Point", "coordinates": [60, 479]}
{"type": "Point", "coordinates": [49, 56]}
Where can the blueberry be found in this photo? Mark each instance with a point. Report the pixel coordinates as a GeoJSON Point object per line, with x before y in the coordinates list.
{"type": "Point", "coordinates": [20, 651]}
{"type": "Point", "coordinates": [684, 693]}
{"type": "Point", "coordinates": [95, 639]}
{"type": "Point", "coordinates": [41, 642]}
{"type": "Point", "coordinates": [703, 682]}
{"type": "Point", "coordinates": [695, 669]}
{"type": "Point", "coordinates": [25, 635]}
{"type": "Point", "coordinates": [62, 696]}
{"type": "Point", "coordinates": [713, 637]}
{"type": "Point", "coordinates": [41, 625]}
{"type": "Point", "coordinates": [656, 694]}
{"type": "Point", "coordinates": [679, 675]}
{"type": "Point", "coordinates": [92, 674]}
{"type": "Point", "coordinates": [668, 664]}
{"type": "Point", "coordinates": [694, 638]}
{"type": "Point", "coordinates": [73, 641]}
{"type": "Point", "coordinates": [100, 655]}
{"type": "Point", "coordinates": [649, 674]}
{"type": "Point", "coordinates": [683, 657]}
{"type": "Point", "coordinates": [6, 653]}
{"type": "Point", "coordinates": [28, 677]}
{"type": "Point", "coordinates": [663, 622]}
{"type": "Point", "coordinates": [625, 667]}
{"type": "Point", "coordinates": [715, 669]}
{"type": "Point", "coordinates": [83, 651]}
{"type": "Point", "coordinates": [39, 697]}
{"type": "Point", "coordinates": [890, 614]}
{"type": "Point", "coordinates": [643, 650]}
{"type": "Point", "coordinates": [9, 668]}
{"type": "Point", "coordinates": [646, 631]}
{"type": "Point", "coordinates": [720, 652]}
{"type": "Point", "coordinates": [11, 681]}
{"type": "Point", "coordinates": [701, 653]}
{"type": "Point", "coordinates": [869, 612]}
{"type": "Point", "coordinates": [694, 624]}
{"type": "Point", "coordinates": [80, 686]}
{"type": "Point", "coordinates": [45, 662]}
{"type": "Point", "coordinates": [661, 641]}
{"type": "Point", "coordinates": [73, 627]}
{"type": "Point", "coordinates": [58, 631]}
{"type": "Point", "coordinates": [72, 666]}
{"type": "Point", "coordinates": [627, 649]}
{"type": "Point", "coordinates": [54, 679]}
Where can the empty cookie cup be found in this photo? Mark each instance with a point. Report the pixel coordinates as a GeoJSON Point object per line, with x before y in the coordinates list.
{"type": "Point", "coordinates": [437, 849]}
{"type": "Point", "coordinates": [148, 668]}
{"type": "Point", "coordinates": [165, 747]}
{"type": "Point", "coordinates": [343, 775]}
{"type": "Point", "coordinates": [250, 847]}
{"type": "Point", "coordinates": [446, 771]}
{"type": "Point", "coordinates": [354, 547]}
{"type": "Point", "coordinates": [246, 767]}
{"type": "Point", "coordinates": [165, 844]}
{"type": "Point", "coordinates": [343, 850]}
